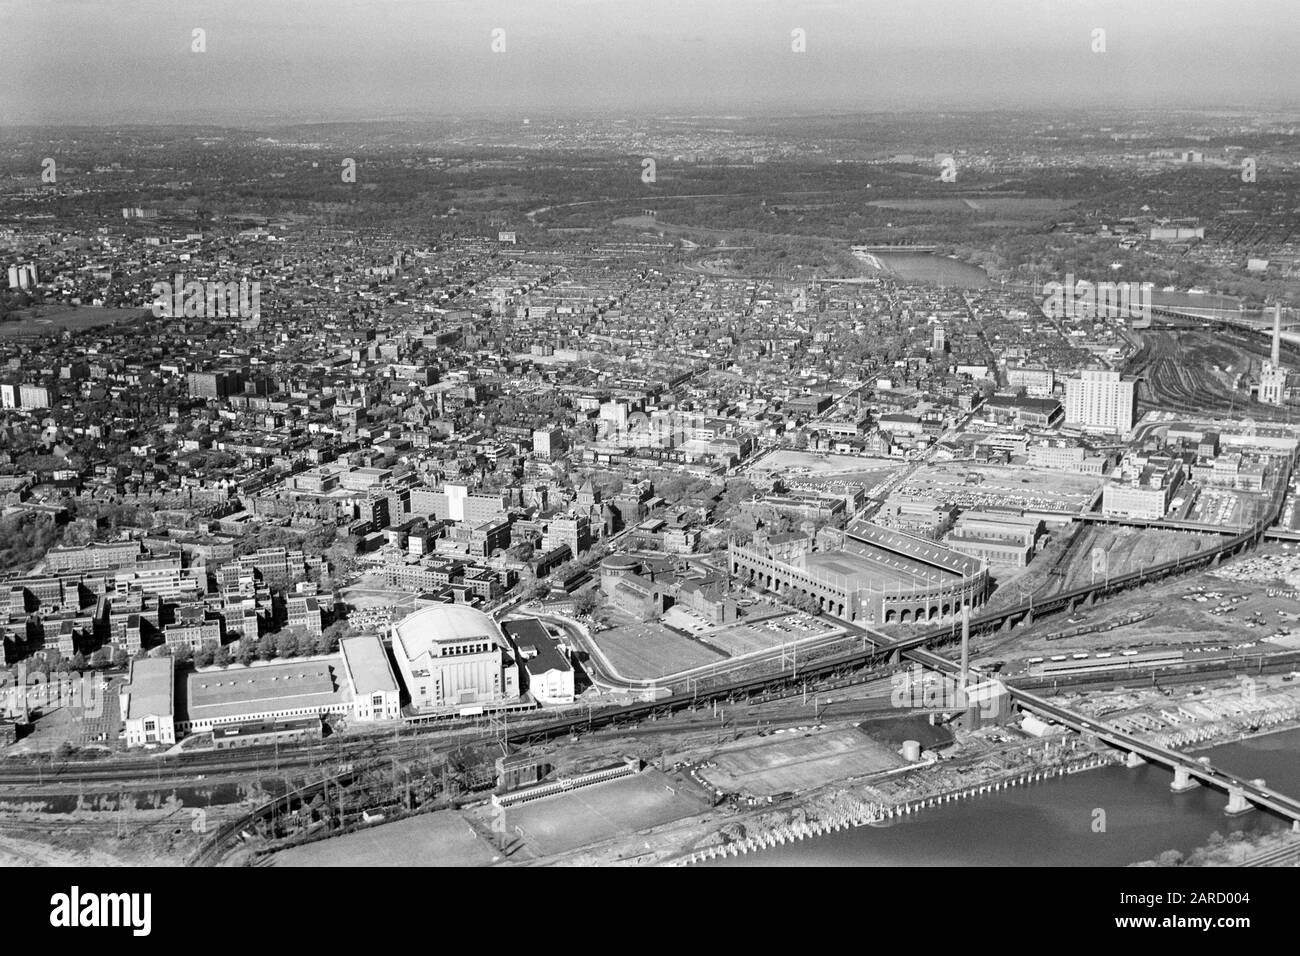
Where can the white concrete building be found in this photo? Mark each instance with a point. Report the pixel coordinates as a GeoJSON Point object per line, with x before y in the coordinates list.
{"type": "Point", "coordinates": [1100, 400]}
{"type": "Point", "coordinates": [375, 692]}
{"type": "Point", "coordinates": [451, 656]}
{"type": "Point", "coordinates": [148, 703]}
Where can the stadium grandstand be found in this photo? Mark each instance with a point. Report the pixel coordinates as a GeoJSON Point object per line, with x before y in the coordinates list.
{"type": "Point", "coordinates": [865, 573]}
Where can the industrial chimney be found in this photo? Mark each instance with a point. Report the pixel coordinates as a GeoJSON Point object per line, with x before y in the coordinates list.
{"type": "Point", "coordinates": [1277, 334]}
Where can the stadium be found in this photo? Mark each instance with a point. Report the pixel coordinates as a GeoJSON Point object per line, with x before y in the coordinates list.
{"type": "Point", "coordinates": [865, 574]}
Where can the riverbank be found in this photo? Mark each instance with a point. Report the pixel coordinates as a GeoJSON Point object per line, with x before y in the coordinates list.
{"type": "Point", "coordinates": [855, 812]}
{"type": "Point", "coordinates": [1279, 848]}
{"type": "Point", "coordinates": [882, 799]}
{"type": "Point", "coordinates": [1237, 732]}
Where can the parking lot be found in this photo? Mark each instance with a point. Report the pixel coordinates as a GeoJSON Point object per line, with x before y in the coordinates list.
{"type": "Point", "coordinates": [738, 639]}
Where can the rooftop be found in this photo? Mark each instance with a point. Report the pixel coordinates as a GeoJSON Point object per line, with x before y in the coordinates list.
{"type": "Point", "coordinates": [234, 691]}
{"type": "Point", "coordinates": [367, 664]}
{"type": "Point", "coordinates": [150, 689]}
{"type": "Point", "coordinates": [537, 648]}
{"type": "Point", "coordinates": [442, 624]}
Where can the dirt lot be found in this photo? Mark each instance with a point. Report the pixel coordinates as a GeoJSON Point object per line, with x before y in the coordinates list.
{"type": "Point", "coordinates": [796, 464]}
{"type": "Point", "coordinates": [1128, 549]}
{"type": "Point", "coordinates": [443, 838]}
{"type": "Point", "coordinates": [154, 837]}
{"type": "Point", "coordinates": [792, 761]}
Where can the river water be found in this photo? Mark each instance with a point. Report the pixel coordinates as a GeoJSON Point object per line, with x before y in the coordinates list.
{"type": "Point", "coordinates": [928, 267]}
{"type": "Point", "coordinates": [1057, 822]}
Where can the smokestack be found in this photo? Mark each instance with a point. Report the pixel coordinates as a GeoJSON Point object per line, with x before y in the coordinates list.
{"type": "Point", "coordinates": [1277, 334]}
{"type": "Point", "coordinates": [965, 645]}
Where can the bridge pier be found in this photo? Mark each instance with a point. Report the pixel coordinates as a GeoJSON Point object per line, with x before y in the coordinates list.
{"type": "Point", "coordinates": [1183, 780]}
{"type": "Point", "coordinates": [1134, 759]}
{"type": "Point", "coordinates": [1237, 802]}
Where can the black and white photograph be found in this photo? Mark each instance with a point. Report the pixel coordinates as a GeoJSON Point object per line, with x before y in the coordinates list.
{"type": "Point", "coordinates": [711, 435]}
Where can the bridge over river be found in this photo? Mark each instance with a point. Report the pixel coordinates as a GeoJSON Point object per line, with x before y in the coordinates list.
{"type": "Point", "coordinates": [1189, 772]}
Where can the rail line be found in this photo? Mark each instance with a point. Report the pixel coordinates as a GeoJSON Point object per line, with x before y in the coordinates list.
{"type": "Point", "coordinates": [915, 647]}
{"type": "Point", "coordinates": [841, 666]}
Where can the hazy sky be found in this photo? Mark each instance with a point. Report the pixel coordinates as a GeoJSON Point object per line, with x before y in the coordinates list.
{"type": "Point", "coordinates": [79, 61]}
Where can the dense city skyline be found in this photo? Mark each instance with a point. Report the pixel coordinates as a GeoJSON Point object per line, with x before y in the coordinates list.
{"type": "Point", "coordinates": [656, 434]}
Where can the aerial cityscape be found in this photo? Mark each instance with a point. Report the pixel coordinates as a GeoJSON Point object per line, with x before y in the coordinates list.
{"type": "Point", "coordinates": [642, 435]}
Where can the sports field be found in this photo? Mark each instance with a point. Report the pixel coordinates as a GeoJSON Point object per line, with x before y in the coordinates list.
{"type": "Point", "coordinates": [603, 811]}
{"type": "Point", "coordinates": [443, 838]}
{"type": "Point", "coordinates": [791, 762]}
{"type": "Point", "coordinates": [652, 651]}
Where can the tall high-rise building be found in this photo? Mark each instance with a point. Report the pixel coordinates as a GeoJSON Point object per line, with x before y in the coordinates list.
{"type": "Point", "coordinates": [548, 442]}
{"type": "Point", "coordinates": [214, 384]}
{"type": "Point", "coordinates": [1101, 400]}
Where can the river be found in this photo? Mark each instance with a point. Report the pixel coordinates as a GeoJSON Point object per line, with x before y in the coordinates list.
{"type": "Point", "coordinates": [1058, 822]}
{"type": "Point", "coordinates": [929, 267]}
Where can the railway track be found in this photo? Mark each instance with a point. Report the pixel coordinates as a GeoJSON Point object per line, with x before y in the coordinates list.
{"type": "Point", "coordinates": [1024, 612]}
{"type": "Point", "coordinates": [1282, 856]}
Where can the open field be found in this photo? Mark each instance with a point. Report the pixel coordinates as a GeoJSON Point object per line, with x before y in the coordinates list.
{"type": "Point", "coordinates": [370, 591]}
{"type": "Point", "coordinates": [1009, 206]}
{"type": "Point", "coordinates": [1129, 549]}
{"type": "Point", "coordinates": [603, 811]}
{"type": "Point", "coordinates": [52, 319]}
{"type": "Point", "coordinates": [972, 486]}
{"type": "Point", "coordinates": [432, 839]}
{"type": "Point", "coordinates": [365, 598]}
{"type": "Point", "coordinates": [650, 651]}
{"type": "Point", "coordinates": [812, 464]}
{"type": "Point", "coordinates": [790, 762]}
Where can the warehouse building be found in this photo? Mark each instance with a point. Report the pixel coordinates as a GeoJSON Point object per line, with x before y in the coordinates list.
{"type": "Point", "coordinates": [375, 692]}
{"type": "Point", "coordinates": [148, 704]}
{"type": "Point", "coordinates": [266, 693]}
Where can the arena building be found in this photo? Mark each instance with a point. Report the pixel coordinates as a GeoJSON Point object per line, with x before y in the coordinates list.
{"type": "Point", "coordinates": [452, 656]}
{"type": "Point", "coordinates": [866, 573]}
